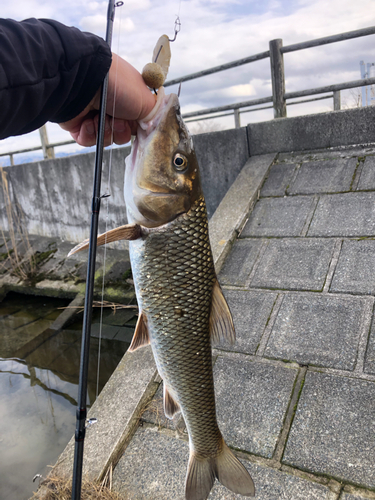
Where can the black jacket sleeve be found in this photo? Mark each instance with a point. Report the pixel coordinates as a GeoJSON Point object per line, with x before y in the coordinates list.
{"type": "Point", "coordinates": [48, 72]}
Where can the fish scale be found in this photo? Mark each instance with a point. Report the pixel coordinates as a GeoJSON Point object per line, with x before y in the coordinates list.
{"type": "Point", "coordinates": [176, 299]}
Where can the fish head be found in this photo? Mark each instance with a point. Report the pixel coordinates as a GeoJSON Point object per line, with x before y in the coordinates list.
{"type": "Point", "coordinates": [162, 175]}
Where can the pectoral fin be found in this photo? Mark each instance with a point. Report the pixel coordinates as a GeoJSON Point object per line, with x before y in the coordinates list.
{"type": "Point", "coordinates": [127, 232]}
{"type": "Point", "coordinates": [221, 323]}
{"type": "Point", "coordinates": [170, 405]}
{"type": "Point", "coordinates": [141, 336]}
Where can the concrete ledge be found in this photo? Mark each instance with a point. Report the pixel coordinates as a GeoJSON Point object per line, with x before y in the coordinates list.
{"type": "Point", "coordinates": [117, 410]}
{"type": "Point", "coordinates": [323, 130]}
{"type": "Point", "coordinates": [233, 210]}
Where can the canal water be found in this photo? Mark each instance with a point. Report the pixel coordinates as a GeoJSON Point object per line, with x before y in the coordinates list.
{"type": "Point", "coordinates": [38, 391]}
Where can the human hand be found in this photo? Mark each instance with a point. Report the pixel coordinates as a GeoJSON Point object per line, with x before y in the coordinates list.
{"type": "Point", "coordinates": [128, 100]}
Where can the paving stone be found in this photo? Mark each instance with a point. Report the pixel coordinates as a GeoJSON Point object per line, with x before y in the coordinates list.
{"type": "Point", "coordinates": [278, 180]}
{"type": "Point", "coordinates": [348, 496]}
{"type": "Point", "coordinates": [294, 264]}
{"type": "Point", "coordinates": [367, 178]}
{"type": "Point", "coordinates": [252, 398]}
{"type": "Point", "coordinates": [250, 311]}
{"type": "Point", "coordinates": [278, 217]}
{"type": "Point", "coordinates": [333, 432]}
{"type": "Point", "coordinates": [317, 330]}
{"type": "Point", "coordinates": [355, 269]}
{"type": "Point", "coordinates": [240, 262]}
{"type": "Point", "coordinates": [348, 214]}
{"type": "Point", "coordinates": [370, 353]}
{"type": "Point", "coordinates": [330, 176]}
{"type": "Point", "coordinates": [154, 467]}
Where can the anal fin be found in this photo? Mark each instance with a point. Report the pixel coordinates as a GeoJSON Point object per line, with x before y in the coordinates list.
{"type": "Point", "coordinates": [221, 322]}
{"type": "Point", "coordinates": [141, 336]}
{"type": "Point", "coordinates": [127, 232]}
{"type": "Point", "coordinates": [170, 405]}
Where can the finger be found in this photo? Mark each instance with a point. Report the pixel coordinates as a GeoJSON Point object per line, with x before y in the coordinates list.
{"type": "Point", "coordinates": [86, 135]}
{"type": "Point", "coordinates": [121, 131]}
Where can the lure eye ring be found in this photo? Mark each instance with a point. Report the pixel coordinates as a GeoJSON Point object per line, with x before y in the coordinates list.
{"type": "Point", "coordinates": [180, 162]}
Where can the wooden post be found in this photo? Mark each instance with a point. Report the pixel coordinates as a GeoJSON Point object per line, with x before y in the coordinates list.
{"type": "Point", "coordinates": [336, 100]}
{"type": "Point", "coordinates": [11, 158]}
{"type": "Point", "coordinates": [237, 119]}
{"type": "Point", "coordinates": [48, 151]}
{"type": "Point", "coordinates": [278, 78]}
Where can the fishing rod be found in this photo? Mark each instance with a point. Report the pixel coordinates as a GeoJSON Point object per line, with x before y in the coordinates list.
{"type": "Point", "coordinates": [87, 315]}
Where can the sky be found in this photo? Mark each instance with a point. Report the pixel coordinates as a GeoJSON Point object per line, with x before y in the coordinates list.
{"type": "Point", "coordinates": [215, 32]}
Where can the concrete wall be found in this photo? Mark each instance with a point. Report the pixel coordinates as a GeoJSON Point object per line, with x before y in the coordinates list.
{"type": "Point", "coordinates": [55, 195]}
{"type": "Point", "coordinates": [323, 130]}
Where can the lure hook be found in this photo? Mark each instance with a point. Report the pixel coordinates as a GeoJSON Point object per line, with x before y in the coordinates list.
{"type": "Point", "coordinates": [177, 28]}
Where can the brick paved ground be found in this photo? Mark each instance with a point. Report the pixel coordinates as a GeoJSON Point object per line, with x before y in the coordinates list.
{"type": "Point", "coordinates": [295, 394]}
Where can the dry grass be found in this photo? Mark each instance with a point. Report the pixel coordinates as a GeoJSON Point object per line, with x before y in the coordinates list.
{"type": "Point", "coordinates": [104, 303]}
{"type": "Point", "coordinates": [58, 488]}
{"type": "Point", "coordinates": [24, 266]}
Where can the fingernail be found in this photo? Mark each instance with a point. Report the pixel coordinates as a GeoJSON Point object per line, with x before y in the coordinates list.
{"type": "Point", "coordinates": [90, 129]}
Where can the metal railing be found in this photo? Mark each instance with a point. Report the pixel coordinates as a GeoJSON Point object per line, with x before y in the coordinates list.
{"type": "Point", "coordinates": [279, 96]}
{"type": "Point", "coordinates": [278, 99]}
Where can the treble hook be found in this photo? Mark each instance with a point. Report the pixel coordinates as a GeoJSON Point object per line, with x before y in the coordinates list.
{"type": "Point", "coordinates": [177, 27]}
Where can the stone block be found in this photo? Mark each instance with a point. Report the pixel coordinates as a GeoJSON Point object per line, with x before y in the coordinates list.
{"type": "Point", "coordinates": [348, 496]}
{"type": "Point", "coordinates": [348, 214]}
{"type": "Point", "coordinates": [309, 132]}
{"type": "Point", "coordinates": [329, 176]}
{"type": "Point", "coordinates": [250, 311]}
{"type": "Point", "coordinates": [294, 264]}
{"type": "Point", "coordinates": [370, 353]}
{"type": "Point", "coordinates": [154, 467]}
{"type": "Point", "coordinates": [240, 262]}
{"type": "Point", "coordinates": [278, 179]}
{"type": "Point", "coordinates": [278, 217]}
{"type": "Point", "coordinates": [252, 398]}
{"type": "Point", "coordinates": [333, 432]}
{"type": "Point", "coordinates": [355, 269]}
{"type": "Point", "coordinates": [367, 178]}
{"type": "Point", "coordinates": [318, 330]}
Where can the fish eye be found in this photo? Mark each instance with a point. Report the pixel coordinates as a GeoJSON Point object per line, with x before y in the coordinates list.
{"type": "Point", "coordinates": [180, 161]}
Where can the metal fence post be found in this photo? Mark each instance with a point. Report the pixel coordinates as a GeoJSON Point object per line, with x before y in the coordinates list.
{"type": "Point", "coordinates": [237, 118]}
{"type": "Point", "coordinates": [278, 78]}
{"type": "Point", "coordinates": [336, 100]}
{"type": "Point", "coordinates": [48, 151]}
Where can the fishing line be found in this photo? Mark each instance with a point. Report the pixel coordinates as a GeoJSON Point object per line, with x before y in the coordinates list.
{"type": "Point", "coordinates": [107, 209]}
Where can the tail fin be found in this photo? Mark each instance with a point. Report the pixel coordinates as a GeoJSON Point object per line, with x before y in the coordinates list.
{"type": "Point", "coordinates": [225, 467]}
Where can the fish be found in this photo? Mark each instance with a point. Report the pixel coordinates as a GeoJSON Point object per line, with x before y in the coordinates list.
{"type": "Point", "coordinates": [181, 306]}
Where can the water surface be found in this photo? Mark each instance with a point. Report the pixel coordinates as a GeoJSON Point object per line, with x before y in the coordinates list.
{"type": "Point", "coordinates": [38, 393]}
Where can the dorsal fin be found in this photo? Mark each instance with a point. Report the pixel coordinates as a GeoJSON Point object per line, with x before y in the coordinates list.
{"type": "Point", "coordinates": [170, 405]}
{"type": "Point", "coordinates": [221, 322]}
{"type": "Point", "coordinates": [127, 232]}
{"type": "Point", "coordinates": [141, 336]}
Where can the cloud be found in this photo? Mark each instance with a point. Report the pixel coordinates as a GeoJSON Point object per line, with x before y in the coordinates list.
{"type": "Point", "coordinates": [97, 24]}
